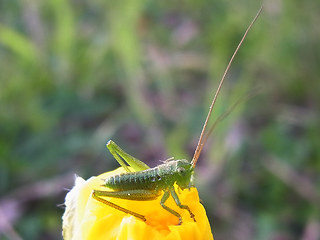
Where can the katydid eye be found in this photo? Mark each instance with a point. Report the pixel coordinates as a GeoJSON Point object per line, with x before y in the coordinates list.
{"type": "Point", "coordinates": [181, 171]}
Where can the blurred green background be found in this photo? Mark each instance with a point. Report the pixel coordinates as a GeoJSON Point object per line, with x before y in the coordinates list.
{"type": "Point", "coordinates": [74, 74]}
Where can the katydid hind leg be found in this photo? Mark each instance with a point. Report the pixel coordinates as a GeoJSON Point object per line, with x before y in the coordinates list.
{"type": "Point", "coordinates": [133, 162]}
{"type": "Point", "coordinates": [136, 195]}
{"type": "Point", "coordinates": [108, 203]}
{"type": "Point", "coordinates": [116, 156]}
{"type": "Point", "coordinates": [139, 195]}
{"type": "Point", "coordinates": [177, 200]}
{"type": "Point", "coordinates": [164, 198]}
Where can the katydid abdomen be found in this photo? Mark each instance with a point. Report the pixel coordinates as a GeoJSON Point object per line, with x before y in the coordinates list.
{"type": "Point", "coordinates": [158, 178]}
{"type": "Point", "coordinates": [147, 184]}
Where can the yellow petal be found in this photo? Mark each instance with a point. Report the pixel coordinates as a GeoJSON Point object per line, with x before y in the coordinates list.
{"type": "Point", "coordinates": [88, 219]}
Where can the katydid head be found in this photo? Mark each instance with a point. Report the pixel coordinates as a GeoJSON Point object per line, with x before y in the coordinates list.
{"type": "Point", "coordinates": [184, 174]}
{"type": "Point", "coordinates": [203, 138]}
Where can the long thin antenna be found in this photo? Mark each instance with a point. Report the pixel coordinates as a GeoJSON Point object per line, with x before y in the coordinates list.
{"type": "Point", "coordinates": [201, 142]}
{"type": "Point", "coordinates": [225, 115]}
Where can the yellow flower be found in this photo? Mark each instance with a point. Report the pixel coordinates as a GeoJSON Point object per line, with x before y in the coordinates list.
{"type": "Point", "coordinates": [87, 218]}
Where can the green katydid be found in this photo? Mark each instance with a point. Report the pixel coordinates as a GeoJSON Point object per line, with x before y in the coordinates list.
{"type": "Point", "coordinates": [145, 183]}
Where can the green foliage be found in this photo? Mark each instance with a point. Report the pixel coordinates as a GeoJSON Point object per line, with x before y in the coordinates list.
{"type": "Point", "coordinates": [74, 74]}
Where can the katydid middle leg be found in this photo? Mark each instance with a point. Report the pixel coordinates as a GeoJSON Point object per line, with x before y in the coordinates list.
{"type": "Point", "coordinates": [177, 200]}
{"type": "Point", "coordinates": [164, 198]}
